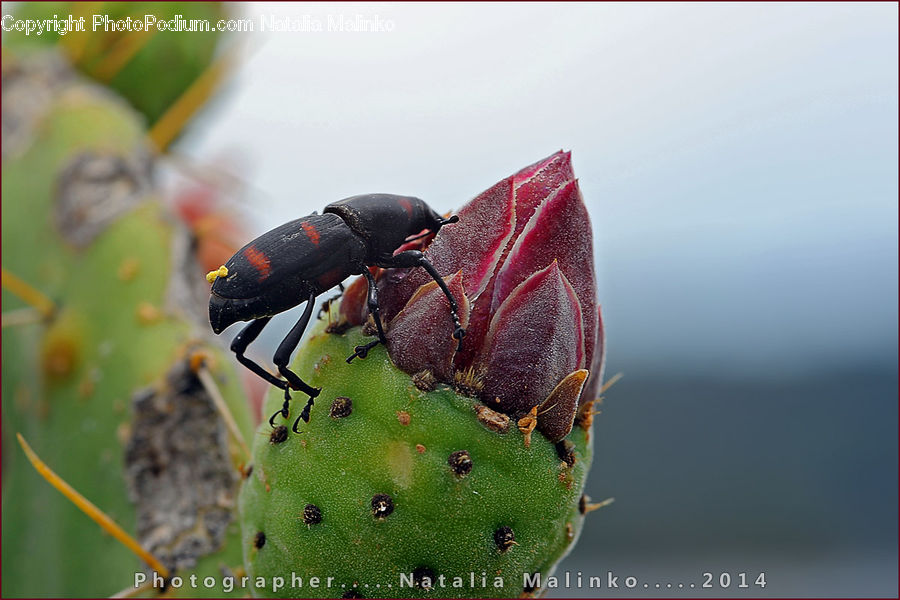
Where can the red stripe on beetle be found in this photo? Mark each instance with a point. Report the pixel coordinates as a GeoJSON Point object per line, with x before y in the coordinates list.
{"type": "Point", "coordinates": [311, 232]}
{"type": "Point", "coordinates": [406, 206]}
{"type": "Point", "coordinates": [259, 261]}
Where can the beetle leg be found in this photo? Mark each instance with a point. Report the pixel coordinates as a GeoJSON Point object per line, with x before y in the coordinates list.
{"type": "Point", "coordinates": [246, 337]}
{"type": "Point", "coordinates": [239, 346]}
{"type": "Point", "coordinates": [284, 410]}
{"type": "Point", "coordinates": [372, 302]}
{"type": "Point", "coordinates": [304, 414]}
{"type": "Point", "coordinates": [415, 258]}
{"type": "Point", "coordinates": [287, 347]}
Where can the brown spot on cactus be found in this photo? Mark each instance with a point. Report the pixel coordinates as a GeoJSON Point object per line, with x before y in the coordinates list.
{"type": "Point", "coordinates": [504, 538]}
{"type": "Point", "coordinates": [403, 417]}
{"type": "Point", "coordinates": [123, 433]}
{"type": "Point", "coordinates": [61, 350]}
{"type": "Point", "coordinates": [312, 514]}
{"type": "Point", "coordinates": [493, 420]}
{"type": "Point", "coordinates": [128, 269]}
{"type": "Point", "coordinates": [424, 380]}
{"type": "Point", "coordinates": [460, 463]}
{"type": "Point", "coordinates": [86, 387]}
{"type": "Point", "coordinates": [556, 414]}
{"type": "Point", "coordinates": [382, 506]}
{"type": "Point", "coordinates": [420, 448]}
{"type": "Point", "coordinates": [248, 471]}
{"type": "Point", "coordinates": [570, 532]}
{"type": "Point", "coordinates": [341, 407]}
{"type": "Point", "coordinates": [259, 540]}
{"type": "Point", "coordinates": [423, 578]}
{"type": "Point", "coordinates": [278, 435]}
{"type": "Point", "coordinates": [147, 314]}
{"type": "Point", "coordinates": [527, 424]}
{"type": "Point", "coordinates": [565, 450]}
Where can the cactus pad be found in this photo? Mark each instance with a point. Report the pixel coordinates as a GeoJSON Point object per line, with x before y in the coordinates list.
{"type": "Point", "coordinates": [392, 491]}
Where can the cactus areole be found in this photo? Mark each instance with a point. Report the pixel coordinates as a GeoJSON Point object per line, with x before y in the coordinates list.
{"type": "Point", "coordinates": [301, 259]}
{"type": "Point", "coordinates": [433, 471]}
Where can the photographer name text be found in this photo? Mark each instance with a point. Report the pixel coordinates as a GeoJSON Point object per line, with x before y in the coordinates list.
{"type": "Point", "coordinates": [529, 582]}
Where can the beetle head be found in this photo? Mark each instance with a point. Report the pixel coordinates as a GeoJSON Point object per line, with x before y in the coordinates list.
{"type": "Point", "coordinates": [386, 221]}
{"type": "Point", "coordinates": [226, 306]}
{"type": "Point", "coordinates": [222, 313]}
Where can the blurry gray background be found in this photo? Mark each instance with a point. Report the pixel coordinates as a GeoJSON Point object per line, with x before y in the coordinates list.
{"type": "Point", "coordinates": [740, 166]}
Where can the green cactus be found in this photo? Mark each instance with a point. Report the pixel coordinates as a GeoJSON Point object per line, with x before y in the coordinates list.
{"type": "Point", "coordinates": [69, 380]}
{"type": "Point", "coordinates": [150, 68]}
{"type": "Point", "coordinates": [398, 483]}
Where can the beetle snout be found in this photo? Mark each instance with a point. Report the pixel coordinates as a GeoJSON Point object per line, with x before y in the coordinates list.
{"type": "Point", "coordinates": [221, 313]}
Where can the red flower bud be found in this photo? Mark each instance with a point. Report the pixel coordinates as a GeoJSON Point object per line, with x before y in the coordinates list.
{"type": "Point", "coordinates": [520, 264]}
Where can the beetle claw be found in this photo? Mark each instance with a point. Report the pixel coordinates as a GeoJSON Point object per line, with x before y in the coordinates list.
{"type": "Point", "coordinates": [295, 425]}
{"type": "Point", "coordinates": [459, 333]}
{"type": "Point", "coordinates": [280, 411]}
{"type": "Point", "coordinates": [362, 351]}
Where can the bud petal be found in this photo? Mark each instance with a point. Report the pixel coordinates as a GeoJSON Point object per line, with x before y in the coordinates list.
{"type": "Point", "coordinates": [535, 339]}
{"type": "Point", "coordinates": [421, 336]}
{"type": "Point", "coordinates": [477, 242]}
{"type": "Point", "coordinates": [535, 183]}
{"type": "Point", "coordinates": [560, 229]}
{"type": "Point", "coordinates": [556, 414]}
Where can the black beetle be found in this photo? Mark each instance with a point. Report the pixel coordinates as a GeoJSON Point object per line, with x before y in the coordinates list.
{"type": "Point", "coordinates": [301, 259]}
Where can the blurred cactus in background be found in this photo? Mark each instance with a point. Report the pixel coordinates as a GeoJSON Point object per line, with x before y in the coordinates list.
{"type": "Point", "coordinates": [149, 68]}
{"type": "Point", "coordinates": [103, 348]}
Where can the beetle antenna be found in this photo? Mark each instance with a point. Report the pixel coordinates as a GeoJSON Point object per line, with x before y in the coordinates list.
{"type": "Point", "coordinates": [448, 220]}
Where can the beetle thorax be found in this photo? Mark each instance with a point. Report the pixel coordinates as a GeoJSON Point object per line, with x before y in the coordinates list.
{"type": "Point", "coordinates": [384, 221]}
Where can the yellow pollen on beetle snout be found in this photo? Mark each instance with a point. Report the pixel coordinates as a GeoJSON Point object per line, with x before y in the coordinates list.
{"type": "Point", "coordinates": [220, 272]}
